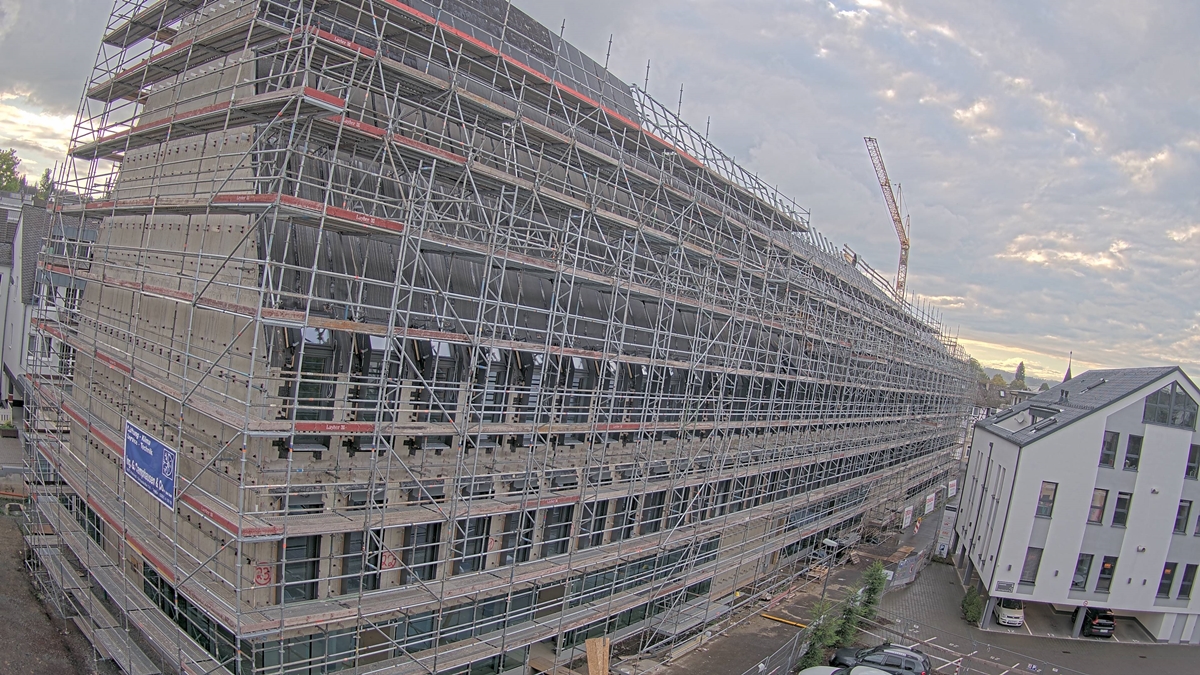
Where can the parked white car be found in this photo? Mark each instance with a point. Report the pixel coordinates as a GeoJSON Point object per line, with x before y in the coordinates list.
{"type": "Point", "coordinates": [1009, 612]}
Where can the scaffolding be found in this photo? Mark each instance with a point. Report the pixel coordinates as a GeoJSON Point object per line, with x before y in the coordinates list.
{"type": "Point", "coordinates": [461, 349]}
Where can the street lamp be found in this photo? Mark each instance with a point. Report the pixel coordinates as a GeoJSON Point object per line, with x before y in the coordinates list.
{"type": "Point", "coordinates": [829, 543]}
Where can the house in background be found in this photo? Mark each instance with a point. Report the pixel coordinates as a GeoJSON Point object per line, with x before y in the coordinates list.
{"type": "Point", "coordinates": [1087, 494]}
{"type": "Point", "coordinates": [26, 288]}
{"type": "Point", "coordinates": [12, 208]}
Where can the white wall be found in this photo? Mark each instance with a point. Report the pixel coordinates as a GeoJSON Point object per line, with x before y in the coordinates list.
{"type": "Point", "coordinates": [986, 490]}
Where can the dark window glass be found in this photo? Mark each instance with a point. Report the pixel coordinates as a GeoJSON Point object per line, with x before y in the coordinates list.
{"type": "Point", "coordinates": [517, 541]}
{"type": "Point", "coordinates": [421, 551]}
{"type": "Point", "coordinates": [1045, 506]}
{"type": "Point", "coordinates": [360, 560]}
{"type": "Point", "coordinates": [1099, 501]}
{"type": "Point", "coordinates": [1185, 585]}
{"type": "Point", "coordinates": [591, 524]}
{"type": "Point", "coordinates": [301, 556]}
{"type": "Point", "coordinates": [1033, 560]}
{"type": "Point", "coordinates": [1108, 567]}
{"type": "Point", "coordinates": [1133, 453]}
{"type": "Point", "coordinates": [1083, 567]}
{"type": "Point", "coordinates": [1168, 577]}
{"type": "Point", "coordinates": [1172, 406]}
{"type": "Point", "coordinates": [1182, 516]}
{"type": "Point", "coordinates": [470, 543]}
{"type": "Point", "coordinates": [652, 512]}
{"type": "Point", "coordinates": [556, 532]}
{"type": "Point", "coordinates": [1193, 463]}
{"type": "Point", "coordinates": [1121, 510]}
{"type": "Point", "coordinates": [1108, 451]}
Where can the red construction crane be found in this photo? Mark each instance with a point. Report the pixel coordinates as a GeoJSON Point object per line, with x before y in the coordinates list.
{"type": "Point", "coordinates": [894, 209]}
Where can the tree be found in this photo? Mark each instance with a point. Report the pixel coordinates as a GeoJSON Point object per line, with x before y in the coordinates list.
{"type": "Point", "coordinates": [10, 181]}
{"type": "Point", "coordinates": [1044, 387]}
{"type": "Point", "coordinates": [977, 370]}
{"type": "Point", "coordinates": [1020, 375]}
{"type": "Point", "coordinates": [874, 581]}
{"type": "Point", "coordinates": [45, 186]}
{"type": "Point", "coordinates": [998, 381]}
{"type": "Point", "coordinates": [848, 622]}
{"type": "Point", "coordinates": [822, 634]}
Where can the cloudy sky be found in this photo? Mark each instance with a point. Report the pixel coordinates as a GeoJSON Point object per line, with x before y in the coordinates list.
{"type": "Point", "coordinates": [1048, 151]}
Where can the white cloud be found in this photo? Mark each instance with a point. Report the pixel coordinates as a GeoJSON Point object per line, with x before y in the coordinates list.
{"type": "Point", "coordinates": [1140, 167]}
{"type": "Point", "coordinates": [39, 138]}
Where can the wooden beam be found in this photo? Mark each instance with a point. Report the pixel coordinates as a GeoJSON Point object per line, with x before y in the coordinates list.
{"type": "Point", "coordinates": [597, 655]}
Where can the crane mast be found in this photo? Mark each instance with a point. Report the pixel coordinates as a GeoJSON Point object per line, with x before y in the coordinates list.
{"type": "Point", "coordinates": [894, 209]}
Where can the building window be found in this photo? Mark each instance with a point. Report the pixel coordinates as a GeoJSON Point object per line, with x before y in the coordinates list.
{"type": "Point", "coordinates": [1182, 516]}
{"type": "Point", "coordinates": [1168, 577]}
{"type": "Point", "coordinates": [301, 562]}
{"type": "Point", "coordinates": [360, 560]}
{"type": "Point", "coordinates": [1171, 406]}
{"type": "Point", "coordinates": [591, 524]}
{"type": "Point", "coordinates": [556, 532]}
{"type": "Point", "coordinates": [1045, 506]}
{"type": "Point", "coordinates": [1033, 560]}
{"type": "Point", "coordinates": [1193, 464]}
{"type": "Point", "coordinates": [652, 512]}
{"type": "Point", "coordinates": [1108, 567]}
{"type": "Point", "coordinates": [1083, 568]}
{"type": "Point", "coordinates": [420, 552]}
{"type": "Point", "coordinates": [1108, 451]}
{"type": "Point", "coordinates": [1121, 510]}
{"type": "Point", "coordinates": [1099, 501]}
{"type": "Point", "coordinates": [1185, 585]}
{"type": "Point", "coordinates": [1133, 453]}
{"type": "Point", "coordinates": [517, 542]}
{"type": "Point", "coordinates": [470, 543]}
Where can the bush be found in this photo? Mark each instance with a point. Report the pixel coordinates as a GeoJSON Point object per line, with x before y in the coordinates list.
{"type": "Point", "coordinates": [972, 606]}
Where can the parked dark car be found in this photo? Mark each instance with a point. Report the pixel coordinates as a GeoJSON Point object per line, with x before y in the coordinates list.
{"type": "Point", "coordinates": [887, 657]}
{"type": "Point", "coordinates": [1097, 621]}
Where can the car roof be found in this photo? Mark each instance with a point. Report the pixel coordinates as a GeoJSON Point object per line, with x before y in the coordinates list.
{"type": "Point", "coordinates": [901, 649]}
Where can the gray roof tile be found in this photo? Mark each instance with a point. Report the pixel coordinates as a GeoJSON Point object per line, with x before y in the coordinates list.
{"type": "Point", "coordinates": [1085, 393]}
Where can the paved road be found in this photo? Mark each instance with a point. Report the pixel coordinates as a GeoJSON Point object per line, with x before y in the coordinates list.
{"type": "Point", "coordinates": [928, 612]}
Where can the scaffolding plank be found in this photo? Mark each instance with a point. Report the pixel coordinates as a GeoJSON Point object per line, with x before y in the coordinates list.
{"type": "Point", "coordinates": [149, 20]}
{"type": "Point", "coordinates": [236, 112]}
{"type": "Point", "coordinates": [214, 43]}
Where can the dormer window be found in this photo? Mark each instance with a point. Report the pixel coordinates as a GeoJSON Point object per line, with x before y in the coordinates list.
{"type": "Point", "coordinates": [1171, 406]}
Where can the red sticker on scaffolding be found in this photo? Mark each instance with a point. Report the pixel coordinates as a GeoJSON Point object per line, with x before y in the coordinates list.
{"type": "Point", "coordinates": [387, 560]}
{"type": "Point", "coordinates": [262, 574]}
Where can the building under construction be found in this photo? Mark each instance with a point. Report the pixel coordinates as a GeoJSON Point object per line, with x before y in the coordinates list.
{"type": "Point", "coordinates": [396, 336]}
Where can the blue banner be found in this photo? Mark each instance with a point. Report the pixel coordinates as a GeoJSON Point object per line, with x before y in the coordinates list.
{"type": "Point", "coordinates": [151, 464]}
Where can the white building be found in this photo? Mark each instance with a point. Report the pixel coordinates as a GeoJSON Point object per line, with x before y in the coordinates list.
{"type": "Point", "coordinates": [12, 208]}
{"type": "Point", "coordinates": [26, 288]}
{"type": "Point", "coordinates": [1088, 494]}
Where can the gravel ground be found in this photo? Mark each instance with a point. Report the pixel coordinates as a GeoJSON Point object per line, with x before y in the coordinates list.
{"type": "Point", "coordinates": [32, 640]}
